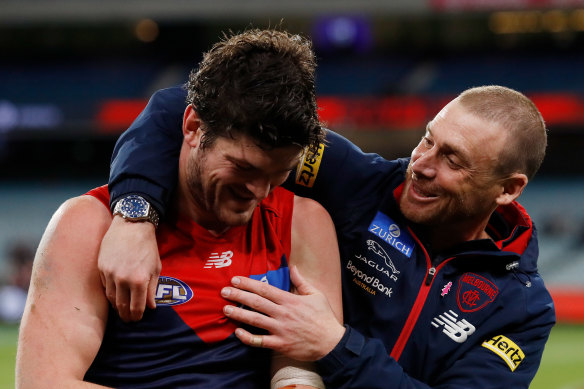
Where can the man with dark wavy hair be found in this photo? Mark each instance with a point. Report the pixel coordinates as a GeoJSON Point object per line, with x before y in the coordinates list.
{"type": "Point", "coordinates": [241, 85]}
{"type": "Point", "coordinates": [251, 113]}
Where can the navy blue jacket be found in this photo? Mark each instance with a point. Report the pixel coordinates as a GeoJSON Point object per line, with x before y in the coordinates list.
{"type": "Point", "coordinates": [477, 315]}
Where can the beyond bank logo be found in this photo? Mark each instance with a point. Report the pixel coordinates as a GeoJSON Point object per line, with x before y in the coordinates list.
{"type": "Point", "coordinates": [385, 228]}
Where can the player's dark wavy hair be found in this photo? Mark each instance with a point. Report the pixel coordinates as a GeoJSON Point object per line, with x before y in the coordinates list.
{"type": "Point", "coordinates": [260, 83]}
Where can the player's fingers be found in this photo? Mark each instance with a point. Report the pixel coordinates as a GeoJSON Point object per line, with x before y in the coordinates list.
{"type": "Point", "coordinates": [103, 279]}
{"type": "Point", "coordinates": [151, 297]}
{"type": "Point", "coordinates": [137, 301]}
{"type": "Point", "coordinates": [123, 302]}
{"type": "Point", "coordinates": [251, 300]}
{"type": "Point", "coordinates": [259, 288]}
{"type": "Point", "coordinates": [252, 318]}
{"type": "Point", "coordinates": [110, 289]}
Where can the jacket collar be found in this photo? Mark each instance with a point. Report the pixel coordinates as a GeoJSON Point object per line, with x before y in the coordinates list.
{"type": "Point", "coordinates": [512, 235]}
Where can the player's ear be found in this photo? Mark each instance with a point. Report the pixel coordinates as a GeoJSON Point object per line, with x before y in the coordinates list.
{"type": "Point", "coordinates": [191, 126]}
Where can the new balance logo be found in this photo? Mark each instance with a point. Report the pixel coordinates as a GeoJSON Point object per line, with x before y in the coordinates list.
{"type": "Point", "coordinates": [217, 260]}
{"type": "Point", "coordinates": [458, 331]}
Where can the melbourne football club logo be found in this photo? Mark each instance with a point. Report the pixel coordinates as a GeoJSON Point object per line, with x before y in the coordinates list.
{"type": "Point", "coordinates": [172, 291]}
{"type": "Point", "coordinates": [475, 292]}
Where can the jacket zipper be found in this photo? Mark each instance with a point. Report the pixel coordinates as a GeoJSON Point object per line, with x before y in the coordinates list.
{"type": "Point", "coordinates": [430, 275]}
{"type": "Point", "coordinates": [423, 292]}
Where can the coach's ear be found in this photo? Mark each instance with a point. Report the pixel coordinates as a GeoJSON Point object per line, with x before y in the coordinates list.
{"type": "Point", "coordinates": [511, 188]}
{"type": "Point", "coordinates": [191, 126]}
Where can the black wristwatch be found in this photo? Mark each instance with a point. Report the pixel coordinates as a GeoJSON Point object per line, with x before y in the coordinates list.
{"type": "Point", "coordinates": [136, 209]}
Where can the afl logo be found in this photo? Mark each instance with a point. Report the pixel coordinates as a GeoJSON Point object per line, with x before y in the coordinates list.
{"type": "Point", "coordinates": [172, 291]}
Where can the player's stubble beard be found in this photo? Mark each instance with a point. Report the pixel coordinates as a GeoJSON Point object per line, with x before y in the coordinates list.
{"type": "Point", "coordinates": [206, 195]}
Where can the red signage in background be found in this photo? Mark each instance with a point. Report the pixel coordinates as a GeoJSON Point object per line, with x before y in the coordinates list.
{"type": "Point", "coordinates": [378, 113]}
{"type": "Point", "coordinates": [560, 109]}
{"type": "Point", "coordinates": [413, 113]}
{"type": "Point", "coordinates": [489, 5]}
{"type": "Point", "coordinates": [115, 116]}
{"type": "Point", "coordinates": [392, 113]}
{"type": "Point", "coordinates": [569, 304]}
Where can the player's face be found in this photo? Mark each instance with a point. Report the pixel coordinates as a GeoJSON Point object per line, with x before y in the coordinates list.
{"type": "Point", "coordinates": [450, 179]}
{"type": "Point", "coordinates": [232, 175]}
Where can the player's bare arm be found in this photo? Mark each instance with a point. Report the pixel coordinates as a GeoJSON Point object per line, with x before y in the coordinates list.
{"type": "Point", "coordinates": [66, 311]}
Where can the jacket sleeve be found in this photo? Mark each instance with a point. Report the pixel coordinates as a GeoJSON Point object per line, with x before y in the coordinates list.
{"type": "Point", "coordinates": [145, 157]}
{"type": "Point", "coordinates": [145, 160]}
{"type": "Point", "coordinates": [360, 362]}
{"type": "Point", "coordinates": [507, 358]}
{"type": "Point", "coordinates": [510, 356]}
{"type": "Point", "coordinates": [340, 175]}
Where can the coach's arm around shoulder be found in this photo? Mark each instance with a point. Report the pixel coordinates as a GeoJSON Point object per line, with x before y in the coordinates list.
{"type": "Point", "coordinates": [66, 311]}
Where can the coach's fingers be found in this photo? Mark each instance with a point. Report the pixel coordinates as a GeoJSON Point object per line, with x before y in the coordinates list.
{"type": "Point", "coordinates": [252, 318]}
{"type": "Point", "coordinates": [251, 300]}
{"type": "Point", "coordinates": [265, 341]}
{"type": "Point", "coordinates": [303, 287]}
{"type": "Point", "coordinates": [260, 288]}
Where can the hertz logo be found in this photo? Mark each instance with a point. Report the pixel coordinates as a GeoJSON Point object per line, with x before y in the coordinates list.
{"type": "Point", "coordinates": [307, 171]}
{"type": "Point", "coordinates": [506, 349]}
{"type": "Point", "coordinates": [172, 291]}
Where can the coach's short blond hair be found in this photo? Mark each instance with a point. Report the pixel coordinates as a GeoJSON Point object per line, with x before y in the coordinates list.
{"type": "Point", "coordinates": [527, 134]}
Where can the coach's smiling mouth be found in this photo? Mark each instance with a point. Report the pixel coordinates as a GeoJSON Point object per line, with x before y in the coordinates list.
{"type": "Point", "coordinates": [420, 193]}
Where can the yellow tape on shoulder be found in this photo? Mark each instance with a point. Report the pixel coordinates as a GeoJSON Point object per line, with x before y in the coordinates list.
{"type": "Point", "coordinates": [307, 170]}
{"type": "Point", "coordinates": [506, 349]}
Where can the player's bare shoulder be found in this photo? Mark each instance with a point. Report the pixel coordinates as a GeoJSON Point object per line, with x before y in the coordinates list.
{"type": "Point", "coordinates": [308, 209]}
{"type": "Point", "coordinates": [77, 226]}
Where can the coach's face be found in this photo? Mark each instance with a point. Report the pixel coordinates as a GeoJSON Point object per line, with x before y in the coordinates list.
{"type": "Point", "coordinates": [450, 179]}
{"type": "Point", "coordinates": [228, 178]}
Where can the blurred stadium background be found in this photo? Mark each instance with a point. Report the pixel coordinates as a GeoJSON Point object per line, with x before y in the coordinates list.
{"type": "Point", "coordinates": [75, 73]}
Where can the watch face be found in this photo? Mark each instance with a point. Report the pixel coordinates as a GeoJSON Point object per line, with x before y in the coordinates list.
{"type": "Point", "coordinates": [134, 207]}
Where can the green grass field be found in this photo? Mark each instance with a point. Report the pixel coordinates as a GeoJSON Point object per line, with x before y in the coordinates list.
{"type": "Point", "coordinates": [562, 366]}
{"type": "Point", "coordinates": [8, 336]}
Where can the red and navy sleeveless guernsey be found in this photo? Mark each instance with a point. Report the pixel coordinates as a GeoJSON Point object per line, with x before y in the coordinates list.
{"type": "Point", "coordinates": [187, 342]}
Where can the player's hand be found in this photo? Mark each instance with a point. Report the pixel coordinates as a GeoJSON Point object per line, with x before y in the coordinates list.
{"type": "Point", "coordinates": [129, 266]}
{"type": "Point", "coordinates": [302, 326]}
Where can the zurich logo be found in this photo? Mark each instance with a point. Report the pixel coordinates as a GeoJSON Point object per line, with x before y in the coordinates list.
{"type": "Point", "coordinates": [394, 230]}
{"type": "Point", "coordinates": [383, 227]}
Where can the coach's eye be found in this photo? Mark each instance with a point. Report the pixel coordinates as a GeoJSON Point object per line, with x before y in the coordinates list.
{"type": "Point", "coordinates": [452, 163]}
{"type": "Point", "coordinates": [427, 142]}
